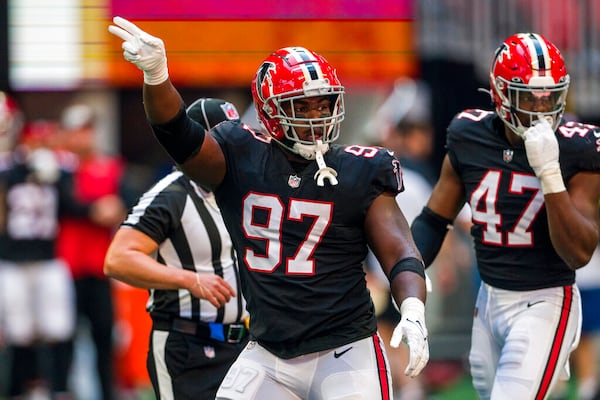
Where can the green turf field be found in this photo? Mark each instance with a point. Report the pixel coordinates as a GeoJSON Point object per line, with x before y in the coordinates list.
{"type": "Point", "coordinates": [463, 390]}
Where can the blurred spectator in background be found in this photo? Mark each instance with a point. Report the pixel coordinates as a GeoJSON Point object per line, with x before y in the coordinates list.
{"type": "Point", "coordinates": [35, 286]}
{"type": "Point", "coordinates": [36, 290]}
{"type": "Point", "coordinates": [403, 124]}
{"type": "Point", "coordinates": [83, 241]}
{"type": "Point", "coordinates": [11, 123]}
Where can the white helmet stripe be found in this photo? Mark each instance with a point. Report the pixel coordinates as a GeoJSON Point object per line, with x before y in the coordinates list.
{"type": "Point", "coordinates": [538, 51]}
{"type": "Point", "coordinates": [307, 62]}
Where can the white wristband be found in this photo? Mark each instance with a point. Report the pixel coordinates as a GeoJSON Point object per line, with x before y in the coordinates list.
{"type": "Point", "coordinates": [552, 181]}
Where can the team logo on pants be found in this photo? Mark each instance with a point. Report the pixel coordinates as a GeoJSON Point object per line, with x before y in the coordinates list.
{"type": "Point", "coordinates": [209, 351]}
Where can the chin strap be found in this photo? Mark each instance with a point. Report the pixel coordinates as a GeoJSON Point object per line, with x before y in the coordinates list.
{"type": "Point", "coordinates": [324, 171]}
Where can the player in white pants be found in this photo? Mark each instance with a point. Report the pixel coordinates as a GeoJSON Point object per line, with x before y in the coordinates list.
{"type": "Point", "coordinates": [506, 345]}
{"type": "Point", "coordinates": [331, 374]}
{"type": "Point", "coordinates": [38, 301]}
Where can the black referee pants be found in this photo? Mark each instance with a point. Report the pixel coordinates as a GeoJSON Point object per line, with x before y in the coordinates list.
{"type": "Point", "coordinates": [195, 366]}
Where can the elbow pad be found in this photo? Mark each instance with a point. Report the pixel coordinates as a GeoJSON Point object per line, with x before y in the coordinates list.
{"type": "Point", "coordinates": [429, 230]}
{"type": "Point", "coordinates": [181, 137]}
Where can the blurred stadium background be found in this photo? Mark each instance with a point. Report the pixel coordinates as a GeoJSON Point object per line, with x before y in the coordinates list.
{"type": "Point", "coordinates": [53, 53]}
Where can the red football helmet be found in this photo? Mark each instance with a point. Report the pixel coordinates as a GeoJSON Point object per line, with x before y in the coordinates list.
{"type": "Point", "coordinates": [528, 69]}
{"type": "Point", "coordinates": [11, 122]}
{"type": "Point", "coordinates": [293, 73]}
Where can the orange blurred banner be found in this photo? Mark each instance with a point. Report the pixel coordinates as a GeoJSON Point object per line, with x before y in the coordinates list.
{"type": "Point", "coordinates": [226, 53]}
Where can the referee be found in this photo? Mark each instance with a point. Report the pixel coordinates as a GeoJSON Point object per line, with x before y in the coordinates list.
{"type": "Point", "coordinates": [175, 244]}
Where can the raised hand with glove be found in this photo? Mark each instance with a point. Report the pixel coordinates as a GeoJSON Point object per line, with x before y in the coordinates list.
{"type": "Point", "coordinates": [412, 330]}
{"type": "Point", "coordinates": [542, 150]}
{"type": "Point", "coordinates": [142, 49]}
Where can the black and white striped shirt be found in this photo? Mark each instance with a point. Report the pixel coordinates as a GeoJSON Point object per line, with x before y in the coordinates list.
{"type": "Point", "coordinates": [186, 222]}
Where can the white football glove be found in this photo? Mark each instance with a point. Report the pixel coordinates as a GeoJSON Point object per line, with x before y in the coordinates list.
{"type": "Point", "coordinates": [142, 49]}
{"type": "Point", "coordinates": [412, 331]}
{"type": "Point", "coordinates": [542, 151]}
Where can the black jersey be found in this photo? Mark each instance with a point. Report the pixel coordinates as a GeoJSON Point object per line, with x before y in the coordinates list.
{"type": "Point", "coordinates": [187, 225]}
{"type": "Point", "coordinates": [301, 246]}
{"type": "Point", "coordinates": [30, 211]}
{"type": "Point", "coordinates": [510, 226]}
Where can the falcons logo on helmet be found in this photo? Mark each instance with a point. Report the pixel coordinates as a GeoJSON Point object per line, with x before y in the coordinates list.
{"type": "Point", "coordinates": [264, 80]}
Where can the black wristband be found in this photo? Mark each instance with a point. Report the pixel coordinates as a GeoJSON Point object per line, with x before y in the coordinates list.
{"type": "Point", "coordinates": [181, 137]}
{"type": "Point", "coordinates": [407, 264]}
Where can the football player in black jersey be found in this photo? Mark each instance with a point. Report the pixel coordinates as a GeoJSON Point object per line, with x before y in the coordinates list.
{"type": "Point", "coordinates": [532, 181]}
{"type": "Point", "coordinates": [301, 212]}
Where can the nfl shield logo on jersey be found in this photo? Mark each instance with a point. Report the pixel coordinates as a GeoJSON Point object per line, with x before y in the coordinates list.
{"type": "Point", "coordinates": [507, 155]}
{"type": "Point", "coordinates": [294, 181]}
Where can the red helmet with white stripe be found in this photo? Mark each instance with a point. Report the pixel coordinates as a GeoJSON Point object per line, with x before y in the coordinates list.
{"type": "Point", "coordinates": [528, 80]}
{"type": "Point", "coordinates": [293, 73]}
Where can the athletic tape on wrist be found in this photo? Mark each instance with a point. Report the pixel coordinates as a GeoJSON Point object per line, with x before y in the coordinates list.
{"type": "Point", "coordinates": [552, 182]}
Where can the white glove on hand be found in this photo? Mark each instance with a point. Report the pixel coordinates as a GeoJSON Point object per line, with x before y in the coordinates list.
{"type": "Point", "coordinates": [542, 151]}
{"type": "Point", "coordinates": [412, 331]}
{"type": "Point", "coordinates": [145, 51]}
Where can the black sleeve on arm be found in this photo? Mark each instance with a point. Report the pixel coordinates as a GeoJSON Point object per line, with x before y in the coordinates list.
{"type": "Point", "coordinates": [429, 230]}
{"type": "Point", "coordinates": [180, 137]}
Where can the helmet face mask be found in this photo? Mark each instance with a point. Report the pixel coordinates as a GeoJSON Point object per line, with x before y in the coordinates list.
{"type": "Point", "coordinates": [528, 81]}
{"type": "Point", "coordinates": [531, 104]}
{"type": "Point", "coordinates": [293, 119]}
{"type": "Point", "coordinates": [286, 82]}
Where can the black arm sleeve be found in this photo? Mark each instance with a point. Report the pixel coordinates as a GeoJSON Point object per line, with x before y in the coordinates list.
{"type": "Point", "coordinates": [429, 230]}
{"type": "Point", "coordinates": [181, 137]}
